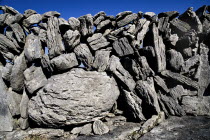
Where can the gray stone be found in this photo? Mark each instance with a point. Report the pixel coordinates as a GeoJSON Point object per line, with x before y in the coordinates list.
{"type": "Point", "coordinates": [134, 104]}
{"type": "Point", "coordinates": [43, 25]}
{"type": "Point", "coordinates": [123, 14]}
{"type": "Point", "coordinates": [33, 19]}
{"type": "Point", "coordinates": [10, 35]}
{"type": "Point", "coordinates": [54, 39]}
{"type": "Point", "coordinates": [98, 19]}
{"type": "Point", "coordinates": [103, 25]}
{"type": "Point", "coordinates": [189, 63]}
{"type": "Point", "coordinates": [86, 25]}
{"type": "Point", "coordinates": [146, 90]}
{"type": "Point", "coordinates": [24, 105]}
{"type": "Point", "coordinates": [46, 65]}
{"type": "Point", "coordinates": [122, 47]}
{"type": "Point", "coordinates": [126, 19]}
{"type": "Point", "coordinates": [50, 14]}
{"type": "Point", "coordinates": [121, 74]}
{"type": "Point", "coordinates": [74, 23]}
{"type": "Point", "coordinates": [24, 124]}
{"type": "Point", "coordinates": [161, 83]}
{"type": "Point", "coordinates": [10, 10]}
{"type": "Point", "coordinates": [5, 115]}
{"type": "Point", "coordinates": [97, 41]}
{"type": "Point", "coordinates": [34, 79]}
{"type": "Point", "coordinates": [83, 130]}
{"type": "Point", "coordinates": [71, 39]}
{"type": "Point", "coordinates": [81, 96]}
{"type": "Point", "coordinates": [13, 100]}
{"type": "Point", "coordinates": [196, 105]}
{"type": "Point", "coordinates": [163, 24]}
{"type": "Point", "coordinates": [175, 60]}
{"type": "Point", "coordinates": [84, 55]}
{"type": "Point", "coordinates": [6, 71]}
{"type": "Point", "coordinates": [17, 77]}
{"type": "Point", "coordinates": [149, 15]}
{"type": "Point", "coordinates": [170, 14]}
{"type": "Point", "coordinates": [64, 62]}
{"type": "Point", "coordinates": [33, 48]}
{"type": "Point", "coordinates": [179, 26]}
{"type": "Point", "coordinates": [101, 60]}
{"type": "Point", "coordinates": [19, 33]}
{"type": "Point", "coordinates": [29, 12]}
{"type": "Point", "coordinates": [99, 128]}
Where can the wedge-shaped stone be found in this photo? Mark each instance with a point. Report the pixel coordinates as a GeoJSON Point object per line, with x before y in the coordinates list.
{"type": "Point", "coordinates": [46, 65]}
{"type": "Point", "coordinates": [86, 25]}
{"type": "Point", "coordinates": [146, 91]}
{"type": "Point", "coordinates": [71, 39]}
{"type": "Point", "coordinates": [54, 39]}
{"type": "Point", "coordinates": [33, 48]}
{"type": "Point", "coordinates": [19, 33]}
{"type": "Point", "coordinates": [180, 78]}
{"type": "Point", "coordinates": [134, 104]}
{"type": "Point", "coordinates": [161, 83]}
{"type": "Point", "coordinates": [101, 60]}
{"type": "Point", "coordinates": [81, 96]}
{"type": "Point", "coordinates": [29, 12]}
{"type": "Point", "coordinates": [121, 74]}
{"type": "Point", "coordinates": [34, 79]}
{"type": "Point", "coordinates": [24, 105]}
{"type": "Point", "coordinates": [33, 19]}
{"type": "Point", "coordinates": [64, 62]}
{"type": "Point", "coordinates": [6, 71]}
{"type": "Point", "coordinates": [74, 23]}
{"type": "Point", "coordinates": [97, 41]}
{"type": "Point", "coordinates": [122, 47]}
{"type": "Point", "coordinates": [175, 60]}
{"type": "Point", "coordinates": [179, 26]}
{"type": "Point", "coordinates": [170, 14]}
{"type": "Point", "coordinates": [17, 77]}
{"type": "Point", "coordinates": [50, 14]}
{"type": "Point", "coordinates": [84, 55]}
{"type": "Point", "coordinates": [127, 19]}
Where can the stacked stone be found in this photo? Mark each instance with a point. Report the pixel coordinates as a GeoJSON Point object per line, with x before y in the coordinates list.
{"type": "Point", "coordinates": [61, 73]}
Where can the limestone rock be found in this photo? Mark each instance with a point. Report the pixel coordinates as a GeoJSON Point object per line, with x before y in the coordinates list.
{"type": "Point", "coordinates": [121, 74]}
{"type": "Point", "coordinates": [84, 55]}
{"type": "Point", "coordinates": [54, 39]}
{"type": "Point", "coordinates": [24, 124]}
{"type": "Point", "coordinates": [33, 48]}
{"type": "Point", "coordinates": [90, 95]}
{"type": "Point", "coordinates": [127, 19]}
{"type": "Point", "coordinates": [122, 47]}
{"type": "Point", "coordinates": [86, 25]}
{"type": "Point", "coordinates": [99, 128]}
{"type": "Point", "coordinates": [179, 26]}
{"type": "Point", "coordinates": [46, 65]}
{"type": "Point", "coordinates": [101, 60]}
{"type": "Point", "coordinates": [83, 130]}
{"type": "Point", "coordinates": [64, 62]}
{"type": "Point", "coordinates": [34, 79]}
{"type": "Point", "coordinates": [71, 39]}
{"type": "Point", "coordinates": [74, 23]}
{"type": "Point", "coordinates": [17, 77]}
{"type": "Point", "coordinates": [19, 33]}
{"type": "Point", "coordinates": [50, 14]}
{"type": "Point", "coordinates": [176, 61]}
{"type": "Point", "coordinates": [29, 12]}
{"type": "Point", "coordinates": [24, 105]}
{"type": "Point", "coordinates": [97, 41]}
{"type": "Point", "coordinates": [6, 71]}
{"type": "Point", "coordinates": [33, 19]}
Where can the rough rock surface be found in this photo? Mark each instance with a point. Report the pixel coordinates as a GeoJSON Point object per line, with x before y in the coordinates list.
{"type": "Point", "coordinates": [82, 96]}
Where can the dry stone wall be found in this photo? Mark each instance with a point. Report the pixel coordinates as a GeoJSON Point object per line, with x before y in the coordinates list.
{"type": "Point", "coordinates": [75, 73]}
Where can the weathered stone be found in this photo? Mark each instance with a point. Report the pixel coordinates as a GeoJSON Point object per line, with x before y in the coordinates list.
{"type": "Point", "coordinates": [134, 104]}
{"type": "Point", "coordinates": [24, 124]}
{"type": "Point", "coordinates": [64, 62]}
{"type": "Point", "coordinates": [17, 77]}
{"type": "Point", "coordinates": [189, 63]}
{"type": "Point", "coordinates": [50, 14]}
{"type": "Point", "coordinates": [161, 83]}
{"type": "Point", "coordinates": [175, 60]}
{"type": "Point", "coordinates": [71, 39]}
{"type": "Point", "coordinates": [46, 65]}
{"type": "Point", "coordinates": [195, 105]}
{"type": "Point", "coordinates": [10, 10]}
{"type": "Point", "coordinates": [29, 12]}
{"type": "Point", "coordinates": [122, 47]}
{"type": "Point", "coordinates": [97, 41]}
{"type": "Point", "coordinates": [84, 55]}
{"type": "Point", "coordinates": [5, 115]}
{"type": "Point", "coordinates": [127, 19]}
{"type": "Point", "coordinates": [35, 30]}
{"type": "Point", "coordinates": [84, 130]}
{"type": "Point", "coordinates": [192, 19]}
{"type": "Point", "coordinates": [33, 19]}
{"type": "Point", "coordinates": [86, 25]}
{"type": "Point", "coordinates": [149, 16]}
{"type": "Point", "coordinates": [33, 48]}
{"type": "Point", "coordinates": [173, 39]}
{"type": "Point", "coordinates": [13, 100]}
{"type": "Point", "coordinates": [103, 25]}
{"type": "Point", "coordinates": [98, 19]}
{"type": "Point", "coordinates": [170, 14]}
{"type": "Point", "coordinates": [24, 105]}
{"type": "Point", "coordinates": [43, 36]}
{"type": "Point", "coordinates": [163, 24]}
{"type": "Point", "coordinates": [10, 35]}
{"type": "Point", "coordinates": [19, 33]}
{"type": "Point", "coordinates": [99, 128]}
{"type": "Point", "coordinates": [34, 79]}
{"type": "Point", "coordinates": [180, 78]}
{"type": "Point", "coordinates": [90, 95]}
{"type": "Point", "coordinates": [101, 60]}
{"type": "Point", "coordinates": [6, 71]}
{"type": "Point", "coordinates": [121, 15]}
{"type": "Point", "coordinates": [146, 90]}
{"type": "Point", "coordinates": [179, 26]}
{"type": "Point", "coordinates": [43, 25]}
{"type": "Point", "coordinates": [172, 105]}
{"type": "Point", "coordinates": [74, 23]}
{"type": "Point", "coordinates": [124, 77]}
{"type": "Point", "coordinates": [159, 48]}
{"type": "Point", "coordinates": [54, 39]}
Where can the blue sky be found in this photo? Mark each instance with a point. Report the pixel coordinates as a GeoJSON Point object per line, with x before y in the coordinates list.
{"type": "Point", "coordinates": [76, 8]}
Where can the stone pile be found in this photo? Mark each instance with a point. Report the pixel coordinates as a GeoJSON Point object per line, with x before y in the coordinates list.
{"type": "Point", "coordinates": [93, 73]}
